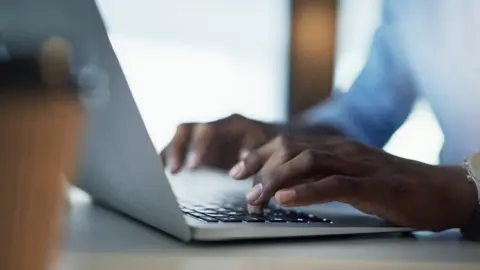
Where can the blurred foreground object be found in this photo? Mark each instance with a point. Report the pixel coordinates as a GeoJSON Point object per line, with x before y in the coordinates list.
{"type": "Point", "coordinates": [40, 124]}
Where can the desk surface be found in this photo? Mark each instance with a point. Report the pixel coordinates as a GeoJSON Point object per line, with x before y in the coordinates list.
{"type": "Point", "coordinates": [100, 239]}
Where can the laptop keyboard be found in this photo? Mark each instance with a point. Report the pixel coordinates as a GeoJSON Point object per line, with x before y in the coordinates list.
{"type": "Point", "coordinates": [212, 213]}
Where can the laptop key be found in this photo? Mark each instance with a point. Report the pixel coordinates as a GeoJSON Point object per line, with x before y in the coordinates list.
{"type": "Point", "coordinates": [209, 219]}
{"type": "Point", "coordinates": [278, 215]}
{"type": "Point", "coordinates": [197, 208]}
{"type": "Point", "coordinates": [206, 211]}
{"type": "Point", "coordinates": [234, 213]}
{"type": "Point", "coordinates": [204, 217]}
{"type": "Point", "coordinates": [217, 215]}
{"type": "Point", "coordinates": [195, 214]}
{"type": "Point", "coordinates": [319, 220]}
{"type": "Point", "coordinates": [230, 219]}
{"type": "Point", "coordinates": [254, 220]}
{"type": "Point", "coordinates": [299, 220]}
{"type": "Point", "coordinates": [228, 213]}
{"type": "Point", "coordinates": [277, 220]}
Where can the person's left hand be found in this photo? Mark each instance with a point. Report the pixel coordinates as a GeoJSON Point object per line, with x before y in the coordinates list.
{"type": "Point", "coordinates": [299, 172]}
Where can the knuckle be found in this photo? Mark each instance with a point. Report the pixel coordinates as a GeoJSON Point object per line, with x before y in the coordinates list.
{"type": "Point", "coordinates": [253, 163]}
{"type": "Point", "coordinates": [206, 129]}
{"type": "Point", "coordinates": [235, 116]}
{"type": "Point", "coordinates": [282, 141]}
{"type": "Point", "coordinates": [183, 127]}
{"type": "Point", "coordinates": [234, 119]}
{"type": "Point", "coordinates": [285, 154]}
{"type": "Point", "coordinates": [309, 157]}
{"type": "Point", "coordinates": [251, 159]}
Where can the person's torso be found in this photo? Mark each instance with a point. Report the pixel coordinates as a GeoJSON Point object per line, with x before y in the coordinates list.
{"type": "Point", "coordinates": [441, 40]}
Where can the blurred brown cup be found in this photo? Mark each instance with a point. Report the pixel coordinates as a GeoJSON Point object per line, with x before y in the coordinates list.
{"type": "Point", "coordinates": [40, 127]}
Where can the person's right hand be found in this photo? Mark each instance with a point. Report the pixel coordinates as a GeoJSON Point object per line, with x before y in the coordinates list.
{"type": "Point", "coordinates": [218, 144]}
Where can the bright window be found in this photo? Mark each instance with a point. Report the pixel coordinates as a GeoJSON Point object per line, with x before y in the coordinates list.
{"type": "Point", "coordinates": [189, 60]}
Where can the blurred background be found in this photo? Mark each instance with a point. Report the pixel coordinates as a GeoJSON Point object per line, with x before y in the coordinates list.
{"type": "Point", "coordinates": [190, 60]}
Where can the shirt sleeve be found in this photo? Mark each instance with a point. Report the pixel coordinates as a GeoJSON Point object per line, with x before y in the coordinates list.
{"type": "Point", "coordinates": [380, 99]}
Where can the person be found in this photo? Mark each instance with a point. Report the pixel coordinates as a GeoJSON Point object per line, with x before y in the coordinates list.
{"type": "Point", "coordinates": [333, 152]}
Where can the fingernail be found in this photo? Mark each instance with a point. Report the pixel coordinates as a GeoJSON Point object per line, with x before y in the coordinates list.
{"type": "Point", "coordinates": [173, 165]}
{"type": "Point", "coordinates": [255, 193]}
{"type": "Point", "coordinates": [254, 209]}
{"type": "Point", "coordinates": [192, 160]}
{"type": "Point", "coordinates": [237, 170]}
{"type": "Point", "coordinates": [244, 153]}
{"type": "Point", "coordinates": [285, 196]}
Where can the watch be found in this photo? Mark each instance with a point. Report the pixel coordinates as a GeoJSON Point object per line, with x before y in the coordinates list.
{"type": "Point", "coordinates": [471, 230]}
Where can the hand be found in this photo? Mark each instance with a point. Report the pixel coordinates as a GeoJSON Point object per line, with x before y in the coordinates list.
{"type": "Point", "coordinates": [299, 172]}
{"type": "Point", "coordinates": [219, 144]}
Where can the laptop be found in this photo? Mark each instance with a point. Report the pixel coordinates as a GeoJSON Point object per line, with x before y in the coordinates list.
{"type": "Point", "coordinates": [120, 168]}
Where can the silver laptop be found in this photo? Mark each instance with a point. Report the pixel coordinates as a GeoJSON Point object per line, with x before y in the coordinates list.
{"type": "Point", "coordinates": [119, 165]}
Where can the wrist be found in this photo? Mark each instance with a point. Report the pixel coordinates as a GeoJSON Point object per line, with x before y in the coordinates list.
{"type": "Point", "coordinates": [463, 195]}
{"type": "Point", "coordinates": [471, 229]}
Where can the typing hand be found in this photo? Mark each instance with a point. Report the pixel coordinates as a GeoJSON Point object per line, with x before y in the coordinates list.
{"type": "Point", "coordinates": [299, 172]}
{"type": "Point", "coordinates": [218, 144]}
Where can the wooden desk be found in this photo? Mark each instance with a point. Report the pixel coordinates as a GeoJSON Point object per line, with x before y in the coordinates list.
{"type": "Point", "coordinates": [100, 239]}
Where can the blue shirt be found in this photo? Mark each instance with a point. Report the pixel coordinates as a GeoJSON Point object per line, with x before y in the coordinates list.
{"type": "Point", "coordinates": [423, 48]}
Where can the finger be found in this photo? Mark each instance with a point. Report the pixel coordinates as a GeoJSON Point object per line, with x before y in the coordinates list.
{"type": "Point", "coordinates": [243, 153]}
{"type": "Point", "coordinates": [202, 139]}
{"type": "Point", "coordinates": [178, 147]}
{"type": "Point", "coordinates": [288, 172]}
{"type": "Point", "coordinates": [251, 141]}
{"type": "Point", "coordinates": [254, 161]}
{"type": "Point", "coordinates": [333, 188]}
{"type": "Point", "coordinates": [163, 156]}
{"type": "Point", "coordinates": [256, 198]}
{"type": "Point", "coordinates": [249, 145]}
{"type": "Point", "coordinates": [246, 167]}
